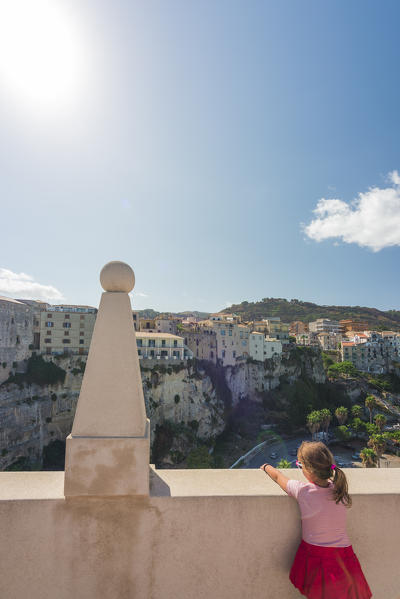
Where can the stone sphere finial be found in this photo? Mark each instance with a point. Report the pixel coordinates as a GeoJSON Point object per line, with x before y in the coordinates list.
{"type": "Point", "coordinates": [117, 276]}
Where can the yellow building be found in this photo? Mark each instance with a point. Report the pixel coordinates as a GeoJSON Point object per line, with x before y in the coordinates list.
{"type": "Point", "coordinates": [66, 329]}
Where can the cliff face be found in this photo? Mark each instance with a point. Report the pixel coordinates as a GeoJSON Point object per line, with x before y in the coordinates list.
{"type": "Point", "coordinates": [33, 416]}
{"type": "Point", "coordinates": [190, 398]}
{"type": "Point", "coordinates": [183, 396]}
{"type": "Point", "coordinates": [249, 379]}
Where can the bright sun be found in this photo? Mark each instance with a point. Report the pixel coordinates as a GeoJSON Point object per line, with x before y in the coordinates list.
{"type": "Point", "coordinates": [40, 53]}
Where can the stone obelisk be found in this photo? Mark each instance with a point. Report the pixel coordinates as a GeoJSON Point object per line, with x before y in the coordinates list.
{"type": "Point", "coordinates": [108, 449]}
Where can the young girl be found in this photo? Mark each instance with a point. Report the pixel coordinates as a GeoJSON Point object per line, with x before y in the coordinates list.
{"type": "Point", "coordinates": [325, 565]}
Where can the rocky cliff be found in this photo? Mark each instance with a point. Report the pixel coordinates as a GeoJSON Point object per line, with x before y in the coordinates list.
{"type": "Point", "coordinates": [187, 404]}
{"type": "Point", "coordinates": [250, 379]}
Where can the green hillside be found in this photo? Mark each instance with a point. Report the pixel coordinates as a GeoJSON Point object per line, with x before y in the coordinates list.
{"type": "Point", "coordinates": [290, 310]}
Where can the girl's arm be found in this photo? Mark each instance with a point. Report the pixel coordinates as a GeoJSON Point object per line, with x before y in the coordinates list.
{"type": "Point", "coordinates": [276, 476]}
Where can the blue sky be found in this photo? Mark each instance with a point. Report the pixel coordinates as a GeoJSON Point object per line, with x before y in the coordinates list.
{"type": "Point", "coordinates": [194, 140]}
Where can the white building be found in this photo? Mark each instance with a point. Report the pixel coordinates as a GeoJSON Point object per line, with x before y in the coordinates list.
{"type": "Point", "coordinates": [262, 347]}
{"type": "Point", "coordinates": [163, 346]}
{"type": "Point", "coordinates": [324, 325]}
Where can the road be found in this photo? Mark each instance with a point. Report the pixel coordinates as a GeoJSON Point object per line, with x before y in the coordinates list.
{"type": "Point", "coordinates": [282, 448]}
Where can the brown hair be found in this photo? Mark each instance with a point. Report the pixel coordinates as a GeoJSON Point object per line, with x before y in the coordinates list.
{"type": "Point", "coordinates": [318, 459]}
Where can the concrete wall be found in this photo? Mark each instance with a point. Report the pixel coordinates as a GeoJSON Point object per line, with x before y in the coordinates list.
{"type": "Point", "coordinates": [202, 533]}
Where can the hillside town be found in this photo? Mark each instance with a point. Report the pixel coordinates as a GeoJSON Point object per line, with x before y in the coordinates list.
{"type": "Point", "coordinates": [28, 326]}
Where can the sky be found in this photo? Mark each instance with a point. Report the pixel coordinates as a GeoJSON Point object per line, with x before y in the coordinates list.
{"type": "Point", "coordinates": [226, 150]}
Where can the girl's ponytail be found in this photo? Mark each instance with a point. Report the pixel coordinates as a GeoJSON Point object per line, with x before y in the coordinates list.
{"type": "Point", "coordinates": [340, 492]}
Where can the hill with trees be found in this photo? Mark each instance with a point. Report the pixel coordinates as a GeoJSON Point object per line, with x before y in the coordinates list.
{"type": "Point", "coordinates": [294, 309]}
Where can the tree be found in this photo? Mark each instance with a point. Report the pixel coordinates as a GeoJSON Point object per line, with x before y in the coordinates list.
{"type": "Point", "coordinates": [378, 444]}
{"type": "Point", "coordinates": [345, 369]}
{"type": "Point", "coordinates": [283, 464]}
{"type": "Point", "coordinates": [341, 414]}
{"type": "Point", "coordinates": [326, 418]}
{"type": "Point", "coordinates": [368, 457]}
{"type": "Point", "coordinates": [380, 421]}
{"type": "Point", "coordinates": [343, 433]}
{"type": "Point", "coordinates": [357, 411]}
{"type": "Point", "coordinates": [370, 404]}
{"type": "Point", "coordinates": [314, 421]}
{"type": "Point", "coordinates": [357, 425]}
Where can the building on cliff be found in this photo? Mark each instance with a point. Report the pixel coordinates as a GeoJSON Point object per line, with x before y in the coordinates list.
{"type": "Point", "coordinates": [262, 347]}
{"type": "Point", "coordinates": [156, 346]}
{"type": "Point", "coordinates": [66, 329]}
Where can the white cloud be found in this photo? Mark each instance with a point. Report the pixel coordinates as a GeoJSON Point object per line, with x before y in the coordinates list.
{"type": "Point", "coordinates": [23, 286]}
{"type": "Point", "coordinates": [138, 294]}
{"type": "Point", "coordinates": [372, 220]}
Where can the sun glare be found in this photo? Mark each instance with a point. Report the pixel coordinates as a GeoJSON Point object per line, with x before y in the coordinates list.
{"type": "Point", "coordinates": [40, 53]}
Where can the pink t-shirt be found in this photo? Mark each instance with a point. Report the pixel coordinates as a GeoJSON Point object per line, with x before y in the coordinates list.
{"type": "Point", "coordinates": [323, 520]}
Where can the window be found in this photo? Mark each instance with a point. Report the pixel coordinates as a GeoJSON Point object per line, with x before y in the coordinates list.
{"type": "Point", "coordinates": [234, 354]}
{"type": "Point", "coordinates": [48, 332]}
{"type": "Point", "coordinates": [164, 352]}
{"type": "Point", "coordinates": [244, 343]}
{"type": "Point", "coordinates": [49, 316]}
{"type": "Point", "coordinates": [223, 353]}
{"type": "Point", "coordinates": [139, 351]}
{"type": "Point", "coordinates": [81, 334]}
{"type": "Point", "coordinates": [139, 342]}
{"type": "Point", "coordinates": [211, 354]}
{"type": "Point", "coordinates": [47, 340]}
{"type": "Point", "coordinates": [82, 326]}
{"type": "Point", "coordinates": [67, 325]}
{"type": "Point", "coordinates": [222, 331]}
{"type": "Point", "coordinates": [66, 340]}
{"type": "Point", "coordinates": [162, 344]}
{"type": "Point", "coordinates": [175, 343]}
{"type": "Point", "coordinates": [49, 324]}
{"type": "Point", "coordinates": [81, 317]}
{"type": "Point", "coordinates": [152, 343]}
{"type": "Point", "coordinates": [66, 333]}
{"type": "Point", "coordinates": [81, 341]}
{"type": "Point", "coordinates": [66, 316]}
{"type": "Point", "coordinates": [230, 332]}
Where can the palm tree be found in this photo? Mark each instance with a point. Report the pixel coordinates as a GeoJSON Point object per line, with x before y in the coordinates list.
{"type": "Point", "coordinates": [370, 404]}
{"type": "Point", "coordinates": [326, 418]}
{"type": "Point", "coordinates": [283, 463]}
{"type": "Point", "coordinates": [380, 421]}
{"type": "Point", "coordinates": [341, 414]}
{"type": "Point", "coordinates": [356, 411]}
{"type": "Point", "coordinates": [368, 457]}
{"type": "Point", "coordinates": [314, 422]}
{"type": "Point", "coordinates": [378, 444]}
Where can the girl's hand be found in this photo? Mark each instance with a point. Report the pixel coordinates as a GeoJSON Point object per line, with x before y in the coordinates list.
{"type": "Point", "coordinates": [264, 466]}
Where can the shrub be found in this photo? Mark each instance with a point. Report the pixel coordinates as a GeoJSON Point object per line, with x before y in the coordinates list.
{"type": "Point", "coordinates": [343, 433]}
{"type": "Point", "coordinates": [200, 458]}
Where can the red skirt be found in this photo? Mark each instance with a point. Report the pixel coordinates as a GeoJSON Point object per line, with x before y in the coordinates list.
{"type": "Point", "coordinates": [328, 573]}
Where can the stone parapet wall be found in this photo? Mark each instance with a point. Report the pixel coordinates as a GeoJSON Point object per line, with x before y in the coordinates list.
{"type": "Point", "coordinates": [220, 534]}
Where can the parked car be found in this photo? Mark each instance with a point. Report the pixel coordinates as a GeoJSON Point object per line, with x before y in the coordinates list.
{"type": "Point", "coordinates": [273, 455]}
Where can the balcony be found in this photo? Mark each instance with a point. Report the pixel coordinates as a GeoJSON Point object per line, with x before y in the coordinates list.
{"type": "Point", "coordinates": [114, 527]}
